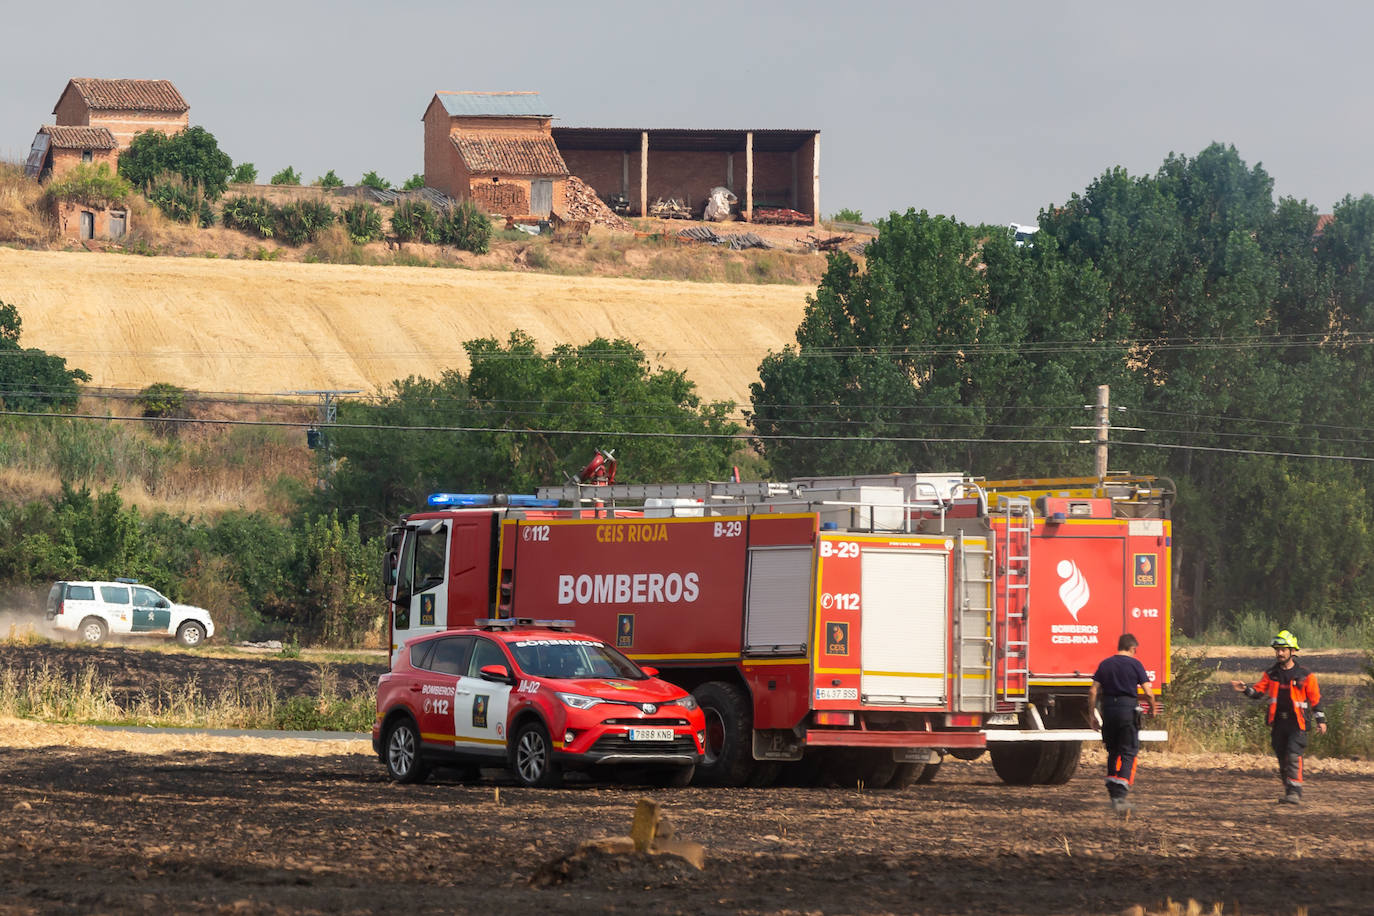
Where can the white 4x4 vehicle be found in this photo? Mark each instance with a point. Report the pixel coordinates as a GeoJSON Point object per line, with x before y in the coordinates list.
{"type": "Point", "coordinates": [94, 610]}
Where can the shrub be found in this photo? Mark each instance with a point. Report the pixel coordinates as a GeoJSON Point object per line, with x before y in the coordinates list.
{"type": "Point", "coordinates": [414, 221]}
{"type": "Point", "coordinates": [92, 185]}
{"type": "Point", "coordinates": [287, 176]}
{"type": "Point", "coordinates": [329, 180]}
{"type": "Point", "coordinates": [164, 401]}
{"type": "Point", "coordinates": [245, 173]}
{"type": "Point", "coordinates": [373, 180]}
{"type": "Point", "coordinates": [181, 202]}
{"type": "Point", "coordinates": [364, 223]}
{"type": "Point", "coordinates": [301, 221]}
{"type": "Point", "coordinates": [192, 154]}
{"type": "Point", "coordinates": [251, 214]}
{"type": "Point", "coordinates": [414, 182]}
{"type": "Point", "coordinates": [848, 216]}
{"type": "Point", "coordinates": [465, 227]}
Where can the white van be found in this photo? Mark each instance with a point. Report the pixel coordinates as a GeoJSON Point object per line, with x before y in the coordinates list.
{"type": "Point", "coordinates": [95, 610]}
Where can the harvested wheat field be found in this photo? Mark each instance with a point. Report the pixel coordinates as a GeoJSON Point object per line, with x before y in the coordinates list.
{"type": "Point", "coordinates": [269, 327]}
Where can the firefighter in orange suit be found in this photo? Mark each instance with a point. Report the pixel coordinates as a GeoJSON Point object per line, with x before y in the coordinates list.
{"type": "Point", "coordinates": [1293, 696]}
{"type": "Point", "coordinates": [1117, 681]}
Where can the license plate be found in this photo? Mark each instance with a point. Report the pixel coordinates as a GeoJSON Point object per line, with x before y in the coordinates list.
{"type": "Point", "coordinates": [651, 734]}
{"type": "Point", "coordinates": [837, 693]}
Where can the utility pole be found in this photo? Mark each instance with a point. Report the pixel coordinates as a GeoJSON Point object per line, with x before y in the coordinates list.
{"type": "Point", "coordinates": [317, 437]}
{"type": "Point", "coordinates": [1103, 424]}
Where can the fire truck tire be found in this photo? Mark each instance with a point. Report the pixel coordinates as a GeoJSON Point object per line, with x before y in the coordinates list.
{"type": "Point", "coordinates": [876, 767]}
{"type": "Point", "coordinates": [1067, 763]}
{"type": "Point", "coordinates": [910, 774]}
{"type": "Point", "coordinates": [401, 752]}
{"type": "Point", "coordinates": [729, 757]}
{"type": "Point", "coordinates": [1031, 763]}
{"type": "Point", "coordinates": [531, 757]}
{"type": "Point", "coordinates": [764, 774]}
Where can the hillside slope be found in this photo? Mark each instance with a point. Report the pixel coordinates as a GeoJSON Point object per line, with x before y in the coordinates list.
{"type": "Point", "coordinates": [271, 327]}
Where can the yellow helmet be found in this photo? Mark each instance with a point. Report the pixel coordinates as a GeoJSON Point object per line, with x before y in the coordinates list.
{"type": "Point", "coordinates": [1285, 640]}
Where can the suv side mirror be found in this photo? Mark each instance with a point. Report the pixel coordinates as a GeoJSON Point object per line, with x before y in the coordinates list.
{"type": "Point", "coordinates": [498, 673]}
{"type": "Point", "coordinates": [649, 670]}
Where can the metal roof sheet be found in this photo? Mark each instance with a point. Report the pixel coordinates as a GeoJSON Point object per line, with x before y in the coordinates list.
{"type": "Point", "coordinates": [492, 104]}
{"type": "Point", "coordinates": [672, 138]}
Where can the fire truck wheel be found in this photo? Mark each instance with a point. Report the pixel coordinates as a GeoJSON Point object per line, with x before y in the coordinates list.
{"type": "Point", "coordinates": [910, 774]}
{"type": "Point", "coordinates": [1029, 763]}
{"type": "Point", "coordinates": [729, 727]}
{"type": "Point", "coordinates": [1067, 765]}
{"type": "Point", "coordinates": [532, 757]}
{"type": "Point", "coordinates": [402, 752]}
{"type": "Point", "coordinates": [765, 774]}
{"type": "Point", "coordinates": [874, 767]}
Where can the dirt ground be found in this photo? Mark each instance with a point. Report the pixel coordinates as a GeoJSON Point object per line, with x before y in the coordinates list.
{"type": "Point", "coordinates": [99, 821]}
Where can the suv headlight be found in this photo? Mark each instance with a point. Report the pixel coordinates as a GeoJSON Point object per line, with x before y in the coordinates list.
{"type": "Point", "coordinates": [688, 703]}
{"type": "Point", "coordinates": [577, 701]}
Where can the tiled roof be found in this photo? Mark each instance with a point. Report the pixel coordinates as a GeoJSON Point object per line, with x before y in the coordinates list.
{"type": "Point", "coordinates": [509, 153]}
{"type": "Point", "coordinates": [130, 95]}
{"type": "Point", "coordinates": [66, 137]}
{"type": "Point", "coordinates": [492, 104]}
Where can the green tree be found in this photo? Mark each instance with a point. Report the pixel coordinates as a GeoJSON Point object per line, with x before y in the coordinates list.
{"type": "Point", "coordinates": [922, 362]}
{"type": "Point", "coordinates": [245, 173]}
{"type": "Point", "coordinates": [31, 379]}
{"type": "Point", "coordinates": [341, 601]}
{"type": "Point", "coordinates": [524, 419]}
{"type": "Point", "coordinates": [287, 176]}
{"type": "Point", "coordinates": [848, 216]}
{"type": "Point", "coordinates": [192, 153]}
{"type": "Point", "coordinates": [329, 180]}
{"type": "Point", "coordinates": [414, 182]}
{"type": "Point", "coordinates": [373, 180]}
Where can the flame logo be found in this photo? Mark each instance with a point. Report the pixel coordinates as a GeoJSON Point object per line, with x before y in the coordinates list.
{"type": "Point", "coordinates": [1074, 590]}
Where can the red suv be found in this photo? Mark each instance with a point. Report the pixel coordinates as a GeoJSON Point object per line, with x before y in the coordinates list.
{"type": "Point", "coordinates": [535, 697]}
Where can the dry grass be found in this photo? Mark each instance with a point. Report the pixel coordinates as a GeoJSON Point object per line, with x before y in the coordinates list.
{"type": "Point", "coordinates": [22, 221]}
{"type": "Point", "coordinates": [26, 733]}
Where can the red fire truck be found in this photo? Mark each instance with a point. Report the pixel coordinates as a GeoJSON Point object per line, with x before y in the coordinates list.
{"type": "Point", "coordinates": [838, 629]}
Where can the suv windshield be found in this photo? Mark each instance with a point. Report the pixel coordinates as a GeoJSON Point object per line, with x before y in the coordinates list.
{"type": "Point", "coordinates": [572, 658]}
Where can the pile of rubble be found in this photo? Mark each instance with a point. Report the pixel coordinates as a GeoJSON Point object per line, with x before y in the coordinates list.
{"type": "Point", "coordinates": [580, 203]}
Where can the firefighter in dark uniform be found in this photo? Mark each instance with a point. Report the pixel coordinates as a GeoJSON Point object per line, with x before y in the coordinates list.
{"type": "Point", "coordinates": [1294, 696]}
{"type": "Point", "coordinates": [1116, 681]}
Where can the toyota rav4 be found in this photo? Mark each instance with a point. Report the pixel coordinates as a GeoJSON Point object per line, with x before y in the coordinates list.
{"type": "Point", "coordinates": [534, 697]}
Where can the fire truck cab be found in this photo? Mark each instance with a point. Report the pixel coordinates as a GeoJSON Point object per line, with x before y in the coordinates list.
{"type": "Point", "coordinates": [831, 629]}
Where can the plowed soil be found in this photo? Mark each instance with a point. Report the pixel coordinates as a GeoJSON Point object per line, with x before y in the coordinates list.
{"type": "Point", "coordinates": [100, 821]}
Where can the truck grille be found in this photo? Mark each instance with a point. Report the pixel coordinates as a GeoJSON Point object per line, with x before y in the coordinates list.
{"type": "Point", "coordinates": [649, 723]}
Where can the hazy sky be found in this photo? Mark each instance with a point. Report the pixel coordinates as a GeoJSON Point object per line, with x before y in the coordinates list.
{"type": "Point", "coordinates": [988, 112]}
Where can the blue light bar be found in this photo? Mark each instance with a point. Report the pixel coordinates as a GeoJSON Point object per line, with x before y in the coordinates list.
{"type": "Point", "coordinates": [474, 500]}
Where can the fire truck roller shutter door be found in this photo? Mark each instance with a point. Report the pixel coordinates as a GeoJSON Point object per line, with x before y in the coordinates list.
{"type": "Point", "coordinates": [779, 600]}
{"type": "Point", "coordinates": [904, 652]}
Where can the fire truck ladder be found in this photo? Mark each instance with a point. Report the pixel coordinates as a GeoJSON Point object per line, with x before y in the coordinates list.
{"type": "Point", "coordinates": [973, 672]}
{"type": "Point", "coordinates": [1013, 588]}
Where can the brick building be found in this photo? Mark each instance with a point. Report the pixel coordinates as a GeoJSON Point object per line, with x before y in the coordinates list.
{"type": "Point", "coordinates": [495, 149]}
{"type": "Point", "coordinates": [763, 168]}
{"type": "Point", "coordinates": [124, 107]}
{"type": "Point", "coordinates": [62, 148]}
{"type": "Point", "coordinates": [98, 118]}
